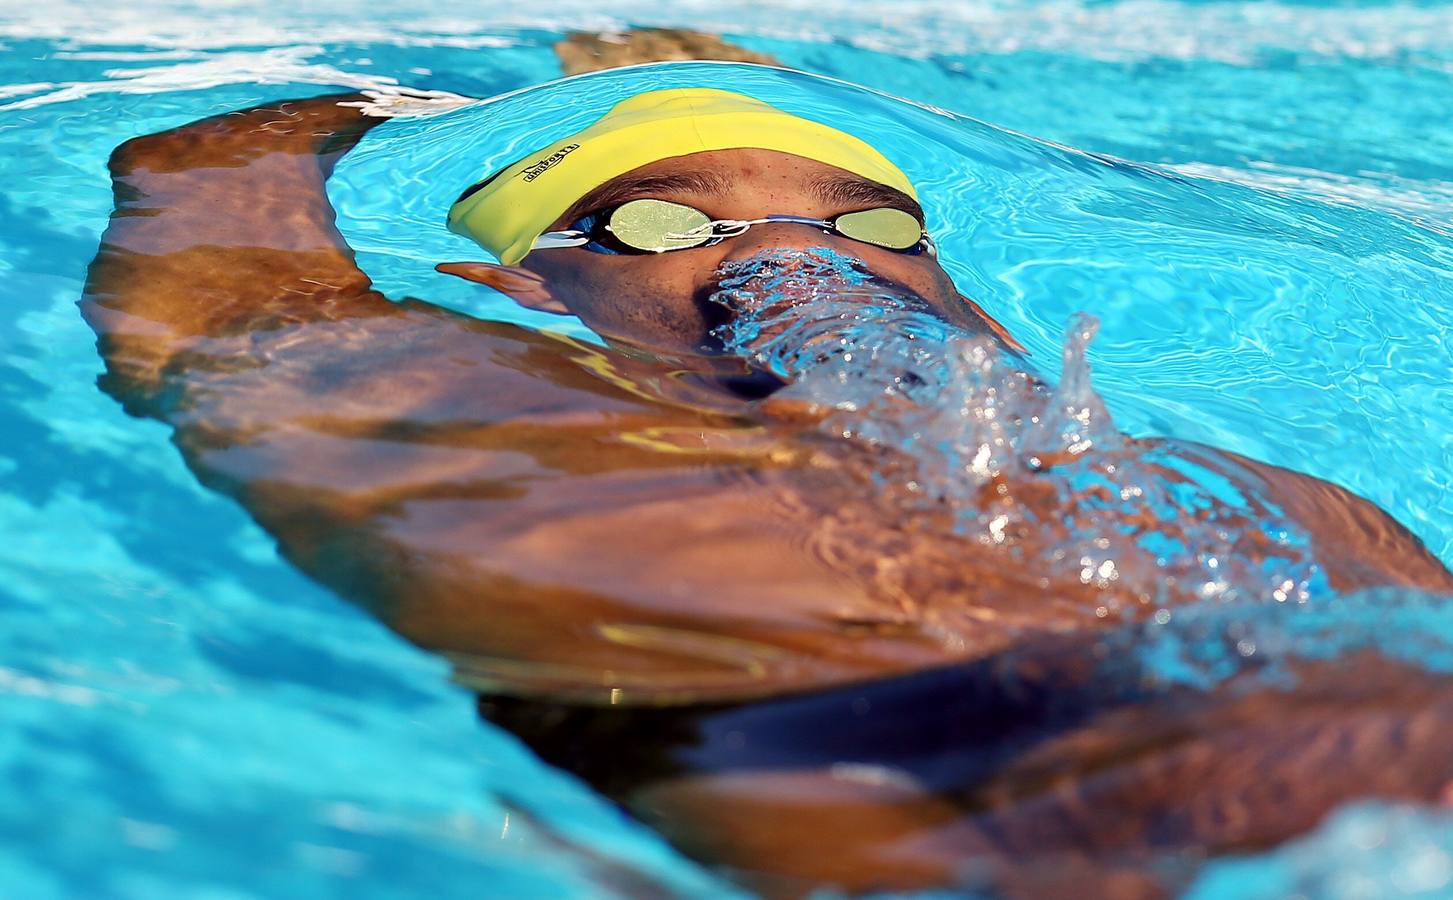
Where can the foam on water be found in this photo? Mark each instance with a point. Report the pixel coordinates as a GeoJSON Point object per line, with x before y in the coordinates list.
{"type": "Point", "coordinates": [1038, 472]}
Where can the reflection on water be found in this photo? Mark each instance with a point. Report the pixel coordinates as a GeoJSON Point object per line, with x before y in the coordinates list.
{"type": "Point", "coordinates": [957, 423]}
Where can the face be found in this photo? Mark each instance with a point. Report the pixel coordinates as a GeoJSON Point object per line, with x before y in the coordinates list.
{"type": "Point", "coordinates": [658, 301]}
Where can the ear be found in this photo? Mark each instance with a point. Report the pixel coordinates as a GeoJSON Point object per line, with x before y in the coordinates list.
{"type": "Point", "coordinates": [520, 285]}
{"type": "Point", "coordinates": [999, 330]}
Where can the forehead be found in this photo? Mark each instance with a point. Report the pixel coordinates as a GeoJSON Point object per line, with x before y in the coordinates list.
{"type": "Point", "coordinates": [744, 164]}
{"type": "Point", "coordinates": [746, 175]}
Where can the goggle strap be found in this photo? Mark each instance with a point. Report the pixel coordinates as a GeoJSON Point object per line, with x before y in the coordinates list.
{"type": "Point", "coordinates": [554, 240]}
{"type": "Point", "coordinates": [717, 228]}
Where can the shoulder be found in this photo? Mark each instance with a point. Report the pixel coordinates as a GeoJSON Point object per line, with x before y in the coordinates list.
{"type": "Point", "coordinates": [1356, 543]}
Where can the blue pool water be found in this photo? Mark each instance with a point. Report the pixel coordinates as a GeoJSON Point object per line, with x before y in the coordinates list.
{"type": "Point", "coordinates": [1253, 198]}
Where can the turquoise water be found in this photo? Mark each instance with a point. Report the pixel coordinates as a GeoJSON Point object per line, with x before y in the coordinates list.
{"type": "Point", "coordinates": [1254, 199]}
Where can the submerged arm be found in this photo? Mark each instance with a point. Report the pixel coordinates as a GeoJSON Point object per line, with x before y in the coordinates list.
{"type": "Point", "coordinates": [562, 517]}
{"type": "Point", "coordinates": [1067, 769]}
{"type": "Point", "coordinates": [1356, 543]}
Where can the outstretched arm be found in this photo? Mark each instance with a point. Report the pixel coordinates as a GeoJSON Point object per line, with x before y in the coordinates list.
{"type": "Point", "coordinates": [222, 227]}
{"type": "Point", "coordinates": [563, 517]}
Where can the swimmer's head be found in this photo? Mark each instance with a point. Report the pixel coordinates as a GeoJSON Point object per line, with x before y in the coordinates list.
{"type": "Point", "coordinates": [547, 217]}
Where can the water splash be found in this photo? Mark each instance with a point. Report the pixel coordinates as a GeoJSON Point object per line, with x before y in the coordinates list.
{"type": "Point", "coordinates": [956, 420]}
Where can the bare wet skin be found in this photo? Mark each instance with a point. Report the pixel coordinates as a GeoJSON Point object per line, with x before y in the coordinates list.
{"type": "Point", "coordinates": [600, 538]}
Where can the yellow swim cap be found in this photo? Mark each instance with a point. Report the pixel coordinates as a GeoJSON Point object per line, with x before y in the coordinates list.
{"type": "Point", "coordinates": [522, 202]}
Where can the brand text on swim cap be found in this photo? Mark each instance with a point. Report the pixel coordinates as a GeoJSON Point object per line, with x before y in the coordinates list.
{"type": "Point", "coordinates": [538, 169]}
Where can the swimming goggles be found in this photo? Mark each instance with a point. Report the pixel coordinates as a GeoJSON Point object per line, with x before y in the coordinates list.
{"type": "Point", "coordinates": [656, 226]}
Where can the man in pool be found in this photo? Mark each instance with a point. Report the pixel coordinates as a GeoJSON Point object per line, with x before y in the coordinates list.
{"type": "Point", "coordinates": [660, 579]}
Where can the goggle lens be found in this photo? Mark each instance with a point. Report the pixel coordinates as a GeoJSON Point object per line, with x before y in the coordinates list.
{"type": "Point", "coordinates": [657, 225]}
{"type": "Point", "coordinates": [886, 227]}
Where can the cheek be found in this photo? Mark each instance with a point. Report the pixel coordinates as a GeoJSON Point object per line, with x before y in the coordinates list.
{"type": "Point", "coordinates": [932, 281]}
{"type": "Point", "coordinates": [933, 284]}
{"type": "Point", "coordinates": [663, 302]}
{"type": "Point", "coordinates": [650, 300]}
{"type": "Point", "coordinates": [919, 274]}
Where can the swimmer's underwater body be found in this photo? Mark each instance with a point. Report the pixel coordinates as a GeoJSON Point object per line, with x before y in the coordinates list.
{"type": "Point", "coordinates": [695, 566]}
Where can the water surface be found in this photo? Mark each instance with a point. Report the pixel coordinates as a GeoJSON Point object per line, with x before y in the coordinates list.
{"type": "Point", "coordinates": [1252, 200]}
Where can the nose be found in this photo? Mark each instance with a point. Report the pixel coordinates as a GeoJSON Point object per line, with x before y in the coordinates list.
{"type": "Point", "coordinates": [786, 236]}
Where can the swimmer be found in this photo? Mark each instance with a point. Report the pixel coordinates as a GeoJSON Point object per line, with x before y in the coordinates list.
{"type": "Point", "coordinates": [655, 570]}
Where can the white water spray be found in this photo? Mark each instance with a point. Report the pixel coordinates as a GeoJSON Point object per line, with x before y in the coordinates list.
{"type": "Point", "coordinates": [954, 420]}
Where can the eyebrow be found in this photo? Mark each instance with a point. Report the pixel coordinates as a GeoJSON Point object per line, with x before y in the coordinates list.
{"type": "Point", "coordinates": [855, 191]}
{"type": "Point", "coordinates": [845, 189]}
